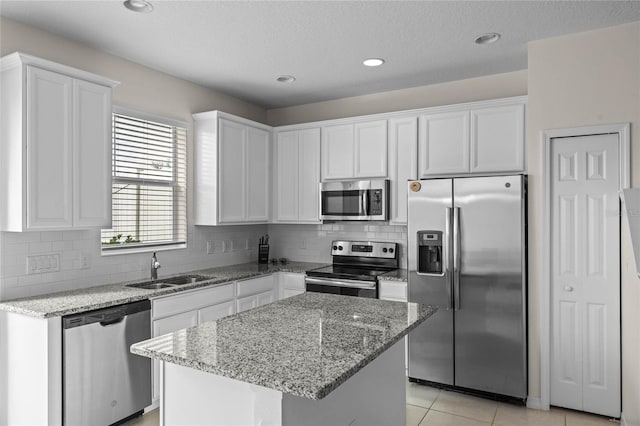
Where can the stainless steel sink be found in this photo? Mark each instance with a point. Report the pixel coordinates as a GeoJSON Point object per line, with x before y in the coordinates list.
{"type": "Point", "coordinates": [184, 279]}
{"type": "Point", "coordinates": [170, 282]}
{"type": "Point", "coordinates": [150, 286]}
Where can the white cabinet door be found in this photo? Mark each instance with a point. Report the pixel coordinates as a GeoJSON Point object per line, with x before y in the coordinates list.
{"type": "Point", "coordinates": [309, 175]}
{"type": "Point", "coordinates": [444, 143]}
{"type": "Point", "coordinates": [393, 290]}
{"type": "Point", "coordinates": [337, 151]}
{"type": "Point", "coordinates": [290, 284]}
{"type": "Point", "coordinates": [91, 146]}
{"type": "Point", "coordinates": [371, 149]}
{"type": "Point", "coordinates": [246, 303]}
{"type": "Point", "coordinates": [231, 174]}
{"type": "Point", "coordinates": [287, 168]}
{"type": "Point", "coordinates": [265, 298]}
{"type": "Point", "coordinates": [212, 313]}
{"type": "Point", "coordinates": [403, 164]}
{"type": "Point", "coordinates": [257, 170]}
{"type": "Point", "coordinates": [497, 139]}
{"type": "Point", "coordinates": [164, 326]}
{"type": "Point", "coordinates": [49, 158]}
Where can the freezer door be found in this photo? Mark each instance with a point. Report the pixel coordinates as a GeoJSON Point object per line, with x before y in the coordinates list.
{"type": "Point", "coordinates": [431, 344]}
{"type": "Point", "coordinates": [490, 348]}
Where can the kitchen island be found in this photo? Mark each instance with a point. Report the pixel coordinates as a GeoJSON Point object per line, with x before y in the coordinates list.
{"type": "Point", "coordinates": [308, 359]}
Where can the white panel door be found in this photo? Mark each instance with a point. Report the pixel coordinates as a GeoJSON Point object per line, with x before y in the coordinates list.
{"type": "Point", "coordinates": [585, 274]}
{"type": "Point", "coordinates": [246, 303]}
{"type": "Point", "coordinates": [231, 172]}
{"type": "Point", "coordinates": [497, 139]}
{"type": "Point", "coordinates": [444, 144]}
{"type": "Point", "coordinates": [287, 176]}
{"type": "Point", "coordinates": [257, 175]}
{"type": "Point", "coordinates": [309, 175]}
{"type": "Point", "coordinates": [403, 164]}
{"type": "Point", "coordinates": [214, 312]}
{"type": "Point", "coordinates": [91, 154]}
{"type": "Point", "coordinates": [337, 151]}
{"type": "Point", "coordinates": [370, 149]}
{"type": "Point", "coordinates": [49, 149]}
{"type": "Point", "coordinates": [265, 298]}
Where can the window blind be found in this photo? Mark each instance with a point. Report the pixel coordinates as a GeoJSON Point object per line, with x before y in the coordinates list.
{"type": "Point", "coordinates": [148, 184]}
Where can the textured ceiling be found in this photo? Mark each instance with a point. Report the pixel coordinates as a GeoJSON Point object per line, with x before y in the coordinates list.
{"type": "Point", "coordinates": [240, 48]}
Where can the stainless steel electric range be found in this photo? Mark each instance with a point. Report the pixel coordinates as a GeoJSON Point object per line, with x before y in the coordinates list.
{"type": "Point", "coordinates": [355, 268]}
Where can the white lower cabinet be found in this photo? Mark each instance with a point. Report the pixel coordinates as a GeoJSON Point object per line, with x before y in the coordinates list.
{"type": "Point", "coordinates": [187, 309]}
{"type": "Point", "coordinates": [396, 291]}
{"type": "Point", "coordinates": [212, 313]}
{"type": "Point", "coordinates": [290, 284]}
{"type": "Point", "coordinates": [255, 292]}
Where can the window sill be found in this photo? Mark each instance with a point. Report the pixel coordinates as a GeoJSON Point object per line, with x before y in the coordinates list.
{"type": "Point", "coordinates": [142, 249]}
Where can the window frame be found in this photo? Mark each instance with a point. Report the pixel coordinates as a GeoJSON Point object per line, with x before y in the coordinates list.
{"type": "Point", "coordinates": [106, 250]}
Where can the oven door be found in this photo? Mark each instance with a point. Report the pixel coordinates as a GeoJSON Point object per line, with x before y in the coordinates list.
{"type": "Point", "coordinates": [343, 287]}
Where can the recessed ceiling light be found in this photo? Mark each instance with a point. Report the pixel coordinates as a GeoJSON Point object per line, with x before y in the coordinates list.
{"type": "Point", "coordinates": [487, 38]}
{"type": "Point", "coordinates": [286, 79]}
{"type": "Point", "coordinates": [373, 62]}
{"type": "Point", "coordinates": [138, 6]}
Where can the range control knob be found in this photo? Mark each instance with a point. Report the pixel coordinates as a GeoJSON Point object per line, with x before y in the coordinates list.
{"type": "Point", "coordinates": [335, 247]}
{"type": "Point", "coordinates": [390, 250]}
{"type": "Point", "coordinates": [340, 248]}
{"type": "Point", "coordinates": [384, 250]}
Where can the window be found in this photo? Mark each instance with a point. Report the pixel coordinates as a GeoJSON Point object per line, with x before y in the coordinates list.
{"type": "Point", "coordinates": [148, 184]}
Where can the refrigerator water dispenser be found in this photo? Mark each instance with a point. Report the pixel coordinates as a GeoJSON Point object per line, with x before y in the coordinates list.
{"type": "Point", "coordinates": [430, 252]}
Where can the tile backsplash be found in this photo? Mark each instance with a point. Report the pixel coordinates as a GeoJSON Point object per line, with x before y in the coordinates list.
{"type": "Point", "coordinates": [76, 261]}
{"type": "Point", "coordinates": [312, 243]}
{"type": "Point", "coordinates": [81, 264]}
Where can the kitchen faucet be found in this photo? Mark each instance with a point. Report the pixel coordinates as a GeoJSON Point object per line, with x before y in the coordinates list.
{"type": "Point", "coordinates": [155, 265]}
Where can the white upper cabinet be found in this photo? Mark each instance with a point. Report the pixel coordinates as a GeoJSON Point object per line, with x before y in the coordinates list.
{"type": "Point", "coordinates": [497, 138]}
{"type": "Point", "coordinates": [356, 150]}
{"type": "Point", "coordinates": [370, 149]}
{"type": "Point", "coordinates": [55, 155]}
{"type": "Point", "coordinates": [482, 137]}
{"type": "Point", "coordinates": [444, 143]}
{"type": "Point", "coordinates": [232, 184]}
{"type": "Point", "coordinates": [337, 152]}
{"type": "Point", "coordinates": [297, 176]}
{"type": "Point", "coordinates": [403, 164]}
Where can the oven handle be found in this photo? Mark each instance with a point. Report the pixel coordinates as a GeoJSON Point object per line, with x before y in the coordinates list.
{"type": "Point", "coordinates": [341, 282]}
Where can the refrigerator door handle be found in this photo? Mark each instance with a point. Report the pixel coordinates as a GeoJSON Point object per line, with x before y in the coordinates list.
{"type": "Point", "coordinates": [446, 248]}
{"type": "Point", "coordinates": [456, 258]}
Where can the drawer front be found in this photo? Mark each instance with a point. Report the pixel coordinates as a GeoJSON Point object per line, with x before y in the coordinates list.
{"type": "Point", "coordinates": [393, 290]}
{"type": "Point", "coordinates": [255, 285]}
{"type": "Point", "coordinates": [292, 281]}
{"type": "Point", "coordinates": [182, 302]}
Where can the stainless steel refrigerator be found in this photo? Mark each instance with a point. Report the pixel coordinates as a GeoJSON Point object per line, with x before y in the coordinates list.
{"type": "Point", "coordinates": [467, 256]}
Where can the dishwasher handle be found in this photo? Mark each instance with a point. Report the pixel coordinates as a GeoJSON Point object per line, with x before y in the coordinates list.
{"type": "Point", "coordinates": [112, 321]}
{"type": "Point", "coordinates": [105, 316]}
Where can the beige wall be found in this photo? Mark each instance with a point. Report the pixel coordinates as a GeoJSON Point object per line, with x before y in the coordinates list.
{"type": "Point", "coordinates": [140, 87]}
{"type": "Point", "coordinates": [473, 89]}
{"type": "Point", "coordinates": [577, 80]}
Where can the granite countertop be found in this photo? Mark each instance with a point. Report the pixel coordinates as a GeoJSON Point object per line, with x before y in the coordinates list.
{"type": "Point", "coordinates": [397, 275]}
{"type": "Point", "coordinates": [88, 299]}
{"type": "Point", "coordinates": [305, 345]}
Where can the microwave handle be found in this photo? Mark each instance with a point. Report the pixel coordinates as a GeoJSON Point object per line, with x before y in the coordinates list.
{"type": "Point", "coordinates": [365, 202]}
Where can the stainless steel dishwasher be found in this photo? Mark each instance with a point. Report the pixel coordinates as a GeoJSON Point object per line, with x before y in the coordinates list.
{"type": "Point", "coordinates": [103, 382]}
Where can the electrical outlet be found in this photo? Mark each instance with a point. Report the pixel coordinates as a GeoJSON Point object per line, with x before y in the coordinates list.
{"type": "Point", "coordinates": [210, 247]}
{"type": "Point", "coordinates": [43, 263]}
{"type": "Point", "coordinates": [227, 246]}
{"type": "Point", "coordinates": [303, 243]}
{"type": "Point", "coordinates": [247, 244]}
{"type": "Point", "coordinates": [85, 261]}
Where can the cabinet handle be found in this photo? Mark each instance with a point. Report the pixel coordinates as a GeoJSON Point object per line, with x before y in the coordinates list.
{"type": "Point", "coordinates": [568, 288]}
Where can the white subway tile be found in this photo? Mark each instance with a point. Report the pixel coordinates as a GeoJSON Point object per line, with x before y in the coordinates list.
{"type": "Point", "coordinates": [36, 248]}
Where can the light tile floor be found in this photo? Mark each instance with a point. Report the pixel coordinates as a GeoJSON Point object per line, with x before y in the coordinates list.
{"type": "Point", "coordinates": [427, 406]}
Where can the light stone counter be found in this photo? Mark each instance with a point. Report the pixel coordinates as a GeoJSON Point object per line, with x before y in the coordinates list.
{"type": "Point", "coordinates": [306, 345]}
{"type": "Point", "coordinates": [88, 299]}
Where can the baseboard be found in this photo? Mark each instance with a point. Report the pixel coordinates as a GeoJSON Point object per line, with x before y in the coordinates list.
{"type": "Point", "coordinates": [536, 404]}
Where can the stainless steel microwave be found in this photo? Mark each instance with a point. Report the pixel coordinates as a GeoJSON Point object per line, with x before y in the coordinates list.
{"type": "Point", "coordinates": [354, 200]}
